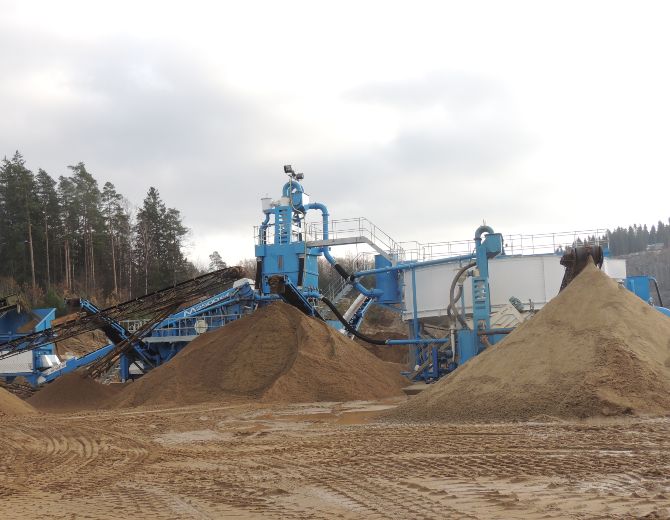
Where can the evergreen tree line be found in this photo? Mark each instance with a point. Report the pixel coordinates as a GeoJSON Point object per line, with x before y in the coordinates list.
{"type": "Point", "coordinates": [69, 237]}
{"type": "Point", "coordinates": [637, 237]}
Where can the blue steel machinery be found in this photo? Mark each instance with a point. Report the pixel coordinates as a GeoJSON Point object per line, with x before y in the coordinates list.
{"type": "Point", "coordinates": [287, 269]}
{"type": "Point", "coordinates": [287, 265]}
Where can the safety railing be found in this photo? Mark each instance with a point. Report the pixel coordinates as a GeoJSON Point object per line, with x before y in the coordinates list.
{"type": "Point", "coordinates": [514, 244]}
{"type": "Point", "coordinates": [553, 242]}
{"type": "Point", "coordinates": [420, 252]}
{"type": "Point", "coordinates": [355, 227]}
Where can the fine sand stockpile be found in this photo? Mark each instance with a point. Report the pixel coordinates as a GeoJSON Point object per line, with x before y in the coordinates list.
{"type": "Point", "coordinates": [12, 405]}
{"type": "Point", "coordinates": [81, 345]}
{"type": "Point", "coordinates": [275, 354]}
{"type": "Point", "coordinates": [73, 392]}
{"type": "Point", "coordinates": [393, 354]}
{"type": "Point", "coordinates": [594, 350]}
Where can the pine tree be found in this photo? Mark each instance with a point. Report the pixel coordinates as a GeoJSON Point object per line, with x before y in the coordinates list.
{"type": "Point", "coordinates": [216, 262]}
{"type": "Point", "coordinates": [147, 238]}
{"type": "Point", "coordinates": [50, 215]}
{"type": "Point", "coordinates": [111, 210]}
{"type": "Point", "coordinates": [90, 222]}
{"type": "Point", "coordinates": [172, 236]}
{"type": "Point", "coordinates": [70, 225]}
{"type": "Point", "coordinates": [18, 208]}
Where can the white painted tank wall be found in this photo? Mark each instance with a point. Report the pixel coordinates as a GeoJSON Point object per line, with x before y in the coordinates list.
{"type": "Point", "coordinates": [531, 278]}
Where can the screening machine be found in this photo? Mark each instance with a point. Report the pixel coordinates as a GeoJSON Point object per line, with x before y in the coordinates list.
{"type": "Point", "coordinates": [455, 305]}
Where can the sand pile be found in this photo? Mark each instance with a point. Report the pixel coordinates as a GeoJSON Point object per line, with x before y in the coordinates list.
{"type": "Point", "coordinates": [393, 354]}
{"type": "Point", "coordinates": [275, 354]}
{"type": "Point", "coordinates": [594, 350]}
{"type": "Point", "coordinates": [12, 405]}
{"type": "Point", "coordinates": [82, 344]}
{"type": "Point", "coordinates": [73, 392]}
{"type": "Point", "coordinates": [19, 387]}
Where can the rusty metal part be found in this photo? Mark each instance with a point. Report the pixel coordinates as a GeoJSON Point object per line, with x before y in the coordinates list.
{"type": "Point", "coordinates": [576, 258]}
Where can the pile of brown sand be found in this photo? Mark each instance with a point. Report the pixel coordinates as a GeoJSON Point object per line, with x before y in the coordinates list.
{"type": "Point", "coordinates": [73, 392]}
{"type": "Point", "coordinates": [82, 344]}
{"type": "Point", "coordinates": [275, 354]}
{"type": "Point", "coordinates": [12, 405]}
{"type": "Point", "coordinates": [393, 354]}
{"type": "Point", "coordinates": [594, 350]}
{"type": "Point", "coordinates": [19, 387]}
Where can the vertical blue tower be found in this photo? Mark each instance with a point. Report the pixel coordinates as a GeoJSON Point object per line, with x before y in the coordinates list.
{"type": "Point", "coordinates": [282, 248]}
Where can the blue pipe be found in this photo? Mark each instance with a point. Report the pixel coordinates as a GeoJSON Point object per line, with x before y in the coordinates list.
{"type": "Point", "coordinates": [288, 187]}
{"type": "Point", "coordinates": [324, 214]}
{"type": "Point", "coordinates": [357, 285]}
{"type": "Point", "coordinates": [413, 265]}
{"type": "Point", "coordinates": [326, 253]}
{"type": "Point", "coordinates": [328, 256]}
{"type": "Point", "coordinates": [481, 230]}
{"type": "Point", "coordinates": [416, 341]}
{"type": "Point", "coordinates": [263, 227]}
{"type": "Point", "coordinates": [267, 297]}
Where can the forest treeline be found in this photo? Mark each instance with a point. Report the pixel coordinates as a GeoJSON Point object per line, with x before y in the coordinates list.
{"type": "Point", "coordinates": [69, 236]}
{"type": "Point", "coordinates": [635, 238]}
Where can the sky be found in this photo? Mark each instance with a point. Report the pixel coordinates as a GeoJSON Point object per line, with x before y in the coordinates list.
{"type": "Point", "coordinates": [427, 118]}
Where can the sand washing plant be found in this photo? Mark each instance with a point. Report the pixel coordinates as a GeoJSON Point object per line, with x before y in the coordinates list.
{"type": "Point", "coordinates": [542, 378]}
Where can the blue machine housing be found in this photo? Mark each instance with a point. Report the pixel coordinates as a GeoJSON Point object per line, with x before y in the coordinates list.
{"type": "Point", "coordinates": [641, 286]}
{"type": "Point", "coordinates": [171, 335]}
{"type": "Point", "coordinates": [16, 323]}
{"type": "Point", "coordinates": [387, 282]}
{"type": "Point", "coordinates": [287, 254]}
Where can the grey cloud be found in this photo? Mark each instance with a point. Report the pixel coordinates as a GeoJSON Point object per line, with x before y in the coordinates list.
{"type": "Point", "coordinates": [144, 114]}
{"type": "Point", "coordinates": [477, 133]}
{"type": "Point", "coordinates": [457, 151]}
{"type": "Point", "coordinates": [457, 91]}
{"type": "Point", "coordinates": [139, 115]}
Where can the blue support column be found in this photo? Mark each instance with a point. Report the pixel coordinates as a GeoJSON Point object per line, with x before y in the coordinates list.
{"type": "Point", "coordinates": [415, 349]}
{"type": "Point", "coordinates": [124, 368]}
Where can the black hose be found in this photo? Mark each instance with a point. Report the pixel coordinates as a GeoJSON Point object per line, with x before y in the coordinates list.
{"type": "Point", "coordinates": [660, 302]}
{"type": "Point", "coordinates": [349, 328]}
{"type": "Point", "coordinates": [450, 312]}
{"type": "Point", "coordinates": [342, 272]}
{"type": "Point", "coordinates": [452, 299]}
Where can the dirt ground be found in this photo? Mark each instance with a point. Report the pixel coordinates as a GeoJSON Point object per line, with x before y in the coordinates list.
{"type": "Point", "coordinates": [327, 460]}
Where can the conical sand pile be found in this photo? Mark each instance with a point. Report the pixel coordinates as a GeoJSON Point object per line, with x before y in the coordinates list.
{"type": "Point", "coordinates": [276, 354]}
{"type": "Point", "coordinates": [12, 405]}
{"type": "Point", "coordinates": [594, 350]}
{"type": "Point", "coordinates": [73, 392]}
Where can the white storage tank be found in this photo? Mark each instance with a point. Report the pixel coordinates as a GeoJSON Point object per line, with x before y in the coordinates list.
{"type": "Point", "coordinates": [533, 279]}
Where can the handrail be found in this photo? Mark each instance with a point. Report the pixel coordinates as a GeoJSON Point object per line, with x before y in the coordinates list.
{"type": "Point", "coordinates": [515, 243]}
{"type": "Point", "coordinates": [354, 227]}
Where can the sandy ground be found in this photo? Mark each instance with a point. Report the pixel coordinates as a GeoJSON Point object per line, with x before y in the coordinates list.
{"type": "Point", "coordinates": [326, 461]}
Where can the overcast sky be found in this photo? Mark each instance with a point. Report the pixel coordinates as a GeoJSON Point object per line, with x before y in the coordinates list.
{"type": "Point", "coordinates": [425, 117]}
